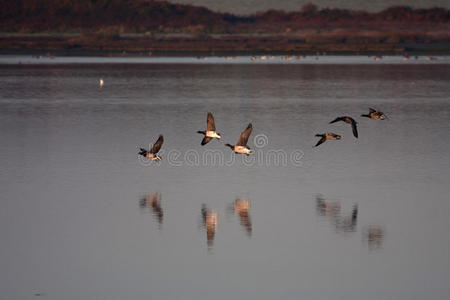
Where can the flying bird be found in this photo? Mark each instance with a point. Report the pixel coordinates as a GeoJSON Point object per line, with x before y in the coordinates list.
{"type": "Point", "coordinates": [152, 153]}
{"type": "Point", "coordinates": [350, 121]}
{"type": "Point", "coordinates": [210, 132]}
{"type": "Point", "coordinates": [241, 147]}
{"type": "Point", "coordinates": [327, 136]}
{"type": "Point", "coordinates": [375, 114]}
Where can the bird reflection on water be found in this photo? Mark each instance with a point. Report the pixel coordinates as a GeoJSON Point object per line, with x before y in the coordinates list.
{"type": "Point", "coordinates": [327, 208]}
{"type": "Point", "coordinates": [332, 211]}
{"type": "Point", "coordinates": [374, 235]}
{"type": "Point", "coordinates": [347, 223]}
{"type": "Point", "coordinates": [241, 207]}
{"type": "Point", "coordinates": [209, 222]}
{"type": "Point", "coordinates": [152, 202]}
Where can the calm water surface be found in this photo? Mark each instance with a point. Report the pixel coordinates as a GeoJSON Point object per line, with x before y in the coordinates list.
{"type": "Point", "coordinates": [82, 217]}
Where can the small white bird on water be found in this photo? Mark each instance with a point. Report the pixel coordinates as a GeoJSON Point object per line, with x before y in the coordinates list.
{"type": "Point", "coordinates": [101, 82]}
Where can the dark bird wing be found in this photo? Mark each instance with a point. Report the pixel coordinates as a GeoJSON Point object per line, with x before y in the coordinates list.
{"type": "Point", "coordinates": [210, 123]}
{"type": "Point", "coordinates": [354, 129]}
{"type": "Point", "coordinates": [371, 110]}
{"type": "Point", "coordinates": [157, 145]}
{"type": "Point", "coordinates": [321, 141]}
{"type": "Point", "coordinates": [337, 120]}
{"type": "Point", "coordinates": [245, 135]}
{"type": "Point", "coordinates": [206, 140]}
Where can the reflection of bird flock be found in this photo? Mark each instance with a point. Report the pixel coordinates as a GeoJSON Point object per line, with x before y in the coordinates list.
{"type": "Point", "coordinates": [331, 210]}
{"type": "Point", "coordinates": [209, 217]}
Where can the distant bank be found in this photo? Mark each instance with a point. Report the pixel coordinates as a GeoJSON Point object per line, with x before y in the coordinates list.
{"type": "Point", "coordinates": [307, 42]}
{"type": "Point", "coordinates": [161, 27]}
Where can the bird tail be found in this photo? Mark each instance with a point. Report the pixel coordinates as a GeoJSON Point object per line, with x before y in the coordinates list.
{"type": "Point", "coordinates": [229, 145]}
{"type": "Point", "coordinates": [320, 135]}
{"type": "Point", "coordinates": [201, 132]}
{"type": "Point", "coordinates": [367, 116]}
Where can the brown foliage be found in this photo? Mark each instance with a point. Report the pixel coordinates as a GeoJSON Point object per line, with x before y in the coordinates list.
{"type": "Point", "coordinates": [162, 16]}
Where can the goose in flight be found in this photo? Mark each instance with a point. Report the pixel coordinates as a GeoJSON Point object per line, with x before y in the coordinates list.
{"type": "Point", "coordinates": [350, 121]}
{"type": "Point", "coordinates": [241, 147]}
{"type": "Point", "coordinates": [152, 153]}
{"type": "Point", "coordinates": [327, 136]}
{"type": "Point", "coordinates": [375, 114]}
{"type": "Point", "coordinates": [210, 132]}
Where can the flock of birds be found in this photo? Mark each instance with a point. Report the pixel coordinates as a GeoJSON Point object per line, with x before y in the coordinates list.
{"type": "Point", "coordinates": [404, 57]}
{"type": "Point", "coordinates": [241, 206]}
{"type": "Point", "coordinates": [241, 147]}
{"type": "Point", "coordinates": [373, 114]}
{"type": "Point", "coordinates": [210, 133]}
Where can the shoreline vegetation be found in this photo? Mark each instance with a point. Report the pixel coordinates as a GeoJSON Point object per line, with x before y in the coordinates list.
{"type": "Point", "coordinates": [140, 27]}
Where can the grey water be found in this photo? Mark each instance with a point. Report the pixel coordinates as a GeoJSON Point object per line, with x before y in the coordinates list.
{"type": "Point", "coordinates": [83, 217]}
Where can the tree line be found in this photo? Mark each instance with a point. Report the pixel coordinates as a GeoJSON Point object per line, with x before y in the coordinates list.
{"type": "Point", "coordinates": [140, 16]}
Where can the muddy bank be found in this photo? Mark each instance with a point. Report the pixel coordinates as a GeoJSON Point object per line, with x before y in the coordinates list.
{"type": "Point", "coordinates": [337, 42]}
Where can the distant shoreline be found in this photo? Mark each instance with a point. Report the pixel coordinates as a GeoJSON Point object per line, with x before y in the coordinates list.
{"type": "Point", "coordinates": [185, 44]}
{"type": "Point", "coordinates": [141, 27]}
